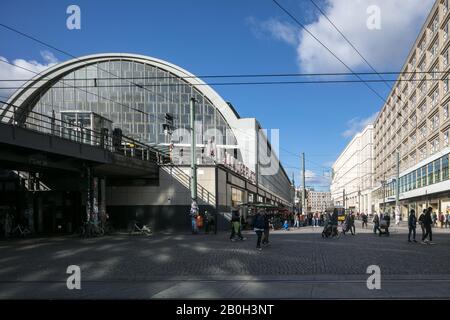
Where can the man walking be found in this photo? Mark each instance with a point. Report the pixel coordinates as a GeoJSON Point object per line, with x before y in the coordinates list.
{"type": "Point", "coordinates": [412, 223]}
{"type": "Point", "coordinates": [258, 227]}
{"type": "Point", "coordinates": [364, 220]}
{"type": "Point", "coordinates": [236, 226]}
{"type": "Point", "coordinates": [265, 238]}
{"type": "Point", "coordinates": [447, 221]}
{"type": "Point", "coordinates": [428, 221]}
{"type": "Point", "coordinates": [376, 223]}
{"type": "Point", "coordinates": [421, 219]}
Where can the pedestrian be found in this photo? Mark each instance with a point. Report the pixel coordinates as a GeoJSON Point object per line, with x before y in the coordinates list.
{"type": "Point", "coordinates": [199, 222]}
{"type": "Point", "coordinates": [376, 223]}
{"type": "Point", "coordinates": [420, 220]}
{"type": "Point", "coordinates": [297, 221]}
{"type": "Point", "coordinates": [441, 219]}
{"type": "Point", "coordinates": [397, 216]}
{"type": "Point", "coordinates": [286, 225]}
{"type": "Point", "coordinates": [447, 221]}
{"type": "Point", "coordinates": [258, 227]}
{"type": "Point", "coordinates": [193, 214]}
{"type": "Point", "coordinates": [265, 238]}
{"type": "Point", "coordinates": [352, 224]}
{"type": "Point", "coordinates": [434, 217]}
{"type": "Point", "coordinates": [235, 225]}
{"type": "Point", "coordinates": [412, 223]}
{"type": "Point", "coordinates": [207, 220]}
{"type": "Point", "coordinates": [428, 222]}
{"type": "Point", "coordinates": [364, 220]}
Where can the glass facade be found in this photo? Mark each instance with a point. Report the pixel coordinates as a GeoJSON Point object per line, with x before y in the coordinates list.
{"type": "Point", "coordinates": [136, 97]}
{"type": "Point", "coordinates": [431, 173]}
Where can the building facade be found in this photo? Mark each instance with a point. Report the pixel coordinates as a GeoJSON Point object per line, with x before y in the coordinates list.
{"type": "Point", "coordinates": [414, 123]}
{"type": "Point", "coordinates": [352, 173]}
{"type": "Point", "coordinates": [318, 201]}
{"type": "Point", "coordinates": [148, 99]}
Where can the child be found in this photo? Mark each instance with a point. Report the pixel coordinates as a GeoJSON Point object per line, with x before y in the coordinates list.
{"type": "Point", "coordinates": [286, 225]}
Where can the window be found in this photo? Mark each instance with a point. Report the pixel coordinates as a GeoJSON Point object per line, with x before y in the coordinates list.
{"type": "Point", "coordinates": [435, 25]}
{"type": "Point", "coordinates": [424, 176]}
{"type": "Point", "coordinates": [445, 85]}
{"type": "Point", "coordinates": [445, 111]}
{"type": "Point", "coordinates": [423, 152]}
{"type": "Point", "coordinates": [419, 180]}
{"type": "Point", "coordinates": [437, 170]}
{"type": "Point", "coordinates": [445, 6]}
{"type": "Point", "coordinates": [445, 58]}
{"type": "Point", "coordinates": [435, 121]}
{"type": "Point", "coordinates": [423, 110]}
{"type": "Point", "coordinates": [423, 131]}
{"type": "Point", "coordinates": [434, 97]}
{"type": "Point", "coordinates": [446, 138]}
{"type": "Point", "coordinates": [430, 173]}
{"type": "Point", "coordinates": [434, 49]}
{"type": "Point", "coordinates": [445, 32]}
{"type": "Point", "coordinates": [434, 146]}
{"type": "Point", "coordinates": [445, 167]}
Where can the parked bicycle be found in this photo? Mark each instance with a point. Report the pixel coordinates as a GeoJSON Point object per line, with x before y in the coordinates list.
{"type": "Point", "coordinates": [136, 228]}
{"type": "Point", "coordinates": [20, 231]}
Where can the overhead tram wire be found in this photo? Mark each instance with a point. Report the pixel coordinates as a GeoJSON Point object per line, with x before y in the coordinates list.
{"type": "Point", "coordinates": [356, 50]}
{"type": "Point", "coordinates": [261, 75]}
{"type": "Point", "coordinates": [242, 83]}
{"type": "Point", "coordinates": [328, 49]}
{"type": "Point", "coordinates": [349, 42]}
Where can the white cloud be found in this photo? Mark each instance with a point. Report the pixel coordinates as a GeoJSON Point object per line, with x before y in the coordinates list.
{"type": "Point", "coordinates": [357, 124]}
{"type": "Point", "coordinates": [10, 72]}
{"type": "Point", "coordinates": [275, 29]}
{"type": "Point", "coordinates": [314, 179]}
{"type": "Point", "coordinates": [385, 49]}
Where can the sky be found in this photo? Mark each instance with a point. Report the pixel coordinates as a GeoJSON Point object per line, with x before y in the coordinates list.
{"type": "Point", "coordinates": [223, 37]}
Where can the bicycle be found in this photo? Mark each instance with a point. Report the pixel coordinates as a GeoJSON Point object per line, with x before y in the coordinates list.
{"type": "Point", "coordinates": [20, 231]}
{"type": "Point", "coordinates": [134, 227]}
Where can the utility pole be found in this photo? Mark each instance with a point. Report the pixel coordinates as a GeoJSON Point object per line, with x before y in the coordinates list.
{"type": "Point", "coordinates": [343, 198]}
{"type": "Point", "coordinates": [397, 185]}
{"type": "Point", "coordinates": [293, 199]}
{"type": "Point", "coordinates": [359, 199]}
{"type": "Point", "coordinates": [303, 184]}
{"type": "Point", "coordinates": [193, 156]}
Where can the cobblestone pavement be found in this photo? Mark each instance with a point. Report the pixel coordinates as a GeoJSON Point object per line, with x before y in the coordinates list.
{"type": "Point", "coordinates": [297, 264]}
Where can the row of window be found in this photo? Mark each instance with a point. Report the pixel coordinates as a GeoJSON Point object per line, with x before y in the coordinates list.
{"type": "Point", "coordinates": [431, 173]}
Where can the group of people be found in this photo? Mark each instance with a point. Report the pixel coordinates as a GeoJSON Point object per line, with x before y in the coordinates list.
{"type": "Point", "coordinates": [425, 221]}
{"type": "Point", "coordinates": [201, 222]}
{"type": "Point", "coordinates": [261, 223]}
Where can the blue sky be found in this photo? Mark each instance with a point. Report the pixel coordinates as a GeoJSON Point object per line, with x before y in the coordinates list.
{"type": "Point", "coordinates": [239, 37]}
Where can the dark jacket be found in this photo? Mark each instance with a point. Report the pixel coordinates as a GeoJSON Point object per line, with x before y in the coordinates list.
{"type": "Point", "coordinates": [427, 219]}
{"type": "Point", "coordinates": [235, 216]}
{"type": "Point", "coordinates": [412, 220]}
{"type": "Point", "coordinates": [258, 222]}
{"type": "Point", "coordinates": [266, 222]}
{"type": "Point", "coordinates": [421, 218]}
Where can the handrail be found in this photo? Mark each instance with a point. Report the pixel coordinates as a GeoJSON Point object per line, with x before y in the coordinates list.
{"type": "Point", "coordinates": [66, 130]}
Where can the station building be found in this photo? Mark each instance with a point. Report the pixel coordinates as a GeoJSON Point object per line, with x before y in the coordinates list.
{"type": "Point", "coordinates": [148, 100]}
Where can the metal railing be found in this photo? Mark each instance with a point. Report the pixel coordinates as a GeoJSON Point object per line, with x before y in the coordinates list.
{"type": "Point", "coordinates": [31, 120]}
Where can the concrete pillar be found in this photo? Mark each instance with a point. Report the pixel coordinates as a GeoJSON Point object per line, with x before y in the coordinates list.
{"type": "Point", "coordinates": [102, 196]}
{"type": "Point", "coordinates": [95, 186]}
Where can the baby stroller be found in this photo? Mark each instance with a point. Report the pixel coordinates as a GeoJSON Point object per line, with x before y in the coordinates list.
{"type": "Point", "coordinates": [329, 230]}
{"type": "Point", "coordinates": [384, 225]}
